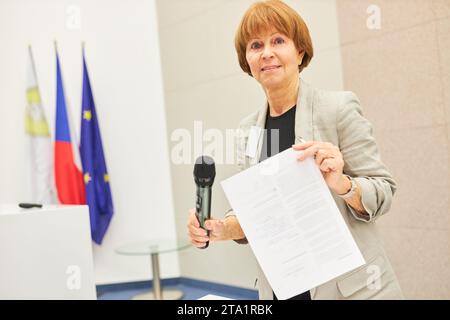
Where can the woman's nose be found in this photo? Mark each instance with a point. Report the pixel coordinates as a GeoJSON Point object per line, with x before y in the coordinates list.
{"type": "Point", "coordinates": [267, 52]}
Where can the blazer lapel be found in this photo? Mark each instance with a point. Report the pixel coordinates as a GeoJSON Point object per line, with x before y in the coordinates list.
{"type": "Point", "coordinates": [260, 123]}
{"type": "Point", "coordinates": [303, 114]}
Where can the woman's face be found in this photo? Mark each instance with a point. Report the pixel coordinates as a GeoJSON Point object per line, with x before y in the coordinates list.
{"type": "Point", "coordinates": [273, 59]}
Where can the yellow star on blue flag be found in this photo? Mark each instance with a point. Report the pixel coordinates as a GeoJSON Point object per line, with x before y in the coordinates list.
{"type": "Point", "coordinates": [87, 115]}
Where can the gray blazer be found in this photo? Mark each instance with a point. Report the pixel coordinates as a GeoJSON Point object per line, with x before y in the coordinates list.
{"type": "Point", "coordinates": [336, 117]}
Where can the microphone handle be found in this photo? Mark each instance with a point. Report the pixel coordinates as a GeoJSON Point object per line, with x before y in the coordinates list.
{"type": "Point", "coordinates": [203, 208]}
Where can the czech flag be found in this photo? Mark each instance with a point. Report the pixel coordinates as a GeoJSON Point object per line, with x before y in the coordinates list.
{"type": "Point", "coordinates": [68, 173]}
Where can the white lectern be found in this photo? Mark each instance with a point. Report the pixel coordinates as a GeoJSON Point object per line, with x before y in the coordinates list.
{"type": "Point", "coordinates": [46, 253]}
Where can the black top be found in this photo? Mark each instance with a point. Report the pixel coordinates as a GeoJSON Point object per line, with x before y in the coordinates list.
{"type": "Point", "coordinates": [279, 136]}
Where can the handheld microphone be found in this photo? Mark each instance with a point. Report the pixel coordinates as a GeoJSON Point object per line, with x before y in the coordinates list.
{"type": "Point", "coordinates": [204, 174]}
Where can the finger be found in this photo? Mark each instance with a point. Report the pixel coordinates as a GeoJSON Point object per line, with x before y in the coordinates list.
{"type": "Point", "coordinates": [216, 235]}
{"type": "Point", "coordinates": [328, 165]}
{"type": "Point", "coordinates": [309, 152]}
{"type": "Point", "coordinates": [214, 225]}
{"type": "Point", "coordinates": [198, 239]}
{"type": "Point", "coordinates": [312, 150]}
{"type": "Point", "coordinates": [197, 231]}
{"type": "Point", "coordinates": [198, 244]}
{"type": "Point", "coordinates": [305, 145]}
{"type": "Point", "coordinates": [323, 154]}
{"type": "Point", "coordinates": [302, 146]}
{"type": "Point", "coordinates": [193, 218]}
{"type": "Point", "coordinates": [209, 225]}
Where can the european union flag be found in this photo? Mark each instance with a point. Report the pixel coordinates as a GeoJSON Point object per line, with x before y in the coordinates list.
{"type": "Point", "coordinates": [96, 179]}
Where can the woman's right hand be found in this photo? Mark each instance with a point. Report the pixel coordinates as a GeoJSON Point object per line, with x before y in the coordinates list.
{"type": "Point", "coordinates": [225, 229]}
{"type": "Point", "coordinates": [197, 234]}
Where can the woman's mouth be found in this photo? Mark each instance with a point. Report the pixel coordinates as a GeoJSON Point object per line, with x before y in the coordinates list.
{"type": "Point", "coordinates": [270, 68]}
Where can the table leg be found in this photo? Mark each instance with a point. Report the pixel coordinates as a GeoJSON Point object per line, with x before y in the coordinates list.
{"type": "Point", "coordinates": [156, 277]}
{"type": "Point", "coordinates": [158, 293]}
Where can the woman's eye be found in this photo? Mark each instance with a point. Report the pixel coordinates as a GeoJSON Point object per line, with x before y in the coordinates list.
{"type": "Point", "coordinates": [255, 45]}
{"type": "Point", "coordinates": [279, 41]}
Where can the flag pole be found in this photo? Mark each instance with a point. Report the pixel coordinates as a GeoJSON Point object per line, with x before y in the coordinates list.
{"type": "Point", "coordinates": [33, 66]}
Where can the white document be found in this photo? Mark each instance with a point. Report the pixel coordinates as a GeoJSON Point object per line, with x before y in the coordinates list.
{"type": "Point", "coordinates": [292, 223]}
{"type": "Point", "coordinates": [214, 297]}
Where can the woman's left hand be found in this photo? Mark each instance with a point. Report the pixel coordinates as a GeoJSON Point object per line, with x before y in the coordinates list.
{"type": "Point", "coordinates": [330, 161]}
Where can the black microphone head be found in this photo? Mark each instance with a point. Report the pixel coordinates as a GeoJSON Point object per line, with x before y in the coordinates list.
{"type": "Point", "coordinates": [204, 171]}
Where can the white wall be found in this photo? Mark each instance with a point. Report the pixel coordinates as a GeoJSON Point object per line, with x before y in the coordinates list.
{"type": "Point", "coordinates": [203, 82]}
{"type": "Point", "coordinates": [122, 50]}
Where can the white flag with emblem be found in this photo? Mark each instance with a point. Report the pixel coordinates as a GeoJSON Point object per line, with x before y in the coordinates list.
{"type": "Point", "coordinates": [39, 143]}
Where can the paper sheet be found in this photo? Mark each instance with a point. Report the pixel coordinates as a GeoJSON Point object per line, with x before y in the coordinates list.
{"type": "Point", "coordinates": [292, 223]}
{"type": "Point", "coordinates": [213, 297]}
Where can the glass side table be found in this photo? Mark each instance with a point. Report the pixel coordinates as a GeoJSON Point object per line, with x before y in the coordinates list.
{"type": "Point", "coordinates": [154, 248]}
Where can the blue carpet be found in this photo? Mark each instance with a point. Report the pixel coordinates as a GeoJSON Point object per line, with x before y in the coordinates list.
{"type": "Point", "coordinates": [192, 289]}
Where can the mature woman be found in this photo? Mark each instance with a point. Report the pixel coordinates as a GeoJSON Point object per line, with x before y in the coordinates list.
{"type": "Point", "coordinates": [274, 46]}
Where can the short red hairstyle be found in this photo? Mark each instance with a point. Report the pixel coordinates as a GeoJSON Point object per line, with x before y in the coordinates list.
{"type": "Point", "coordinates": [264, 15]}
